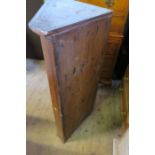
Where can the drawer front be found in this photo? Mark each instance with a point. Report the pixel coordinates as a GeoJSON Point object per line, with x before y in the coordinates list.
{"type": "Point", "coordinates": [118, 6]}
{"type": "Point", "coordinates": [113, 46]}
{"type": "Point", "coordinates": [120, 12]}
{"type": "Point", "coordinates": [117, 24]}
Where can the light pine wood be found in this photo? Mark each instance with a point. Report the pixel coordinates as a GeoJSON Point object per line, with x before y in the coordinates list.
{"type": "Point", "coordinates": [120, 13]}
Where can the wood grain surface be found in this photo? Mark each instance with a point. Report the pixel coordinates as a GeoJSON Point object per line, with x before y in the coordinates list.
{"type": "Point", "coordinates": [57, 14]}
{"type": "Point", "coordinates": [120, 10]}
{"type": "Point", "coordinates": [74, 57]}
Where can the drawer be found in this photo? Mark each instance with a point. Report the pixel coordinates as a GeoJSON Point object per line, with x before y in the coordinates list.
{"type": "Point", "coordinates": [113, 46]}
{"type": "Point", "coordinates": [120, 12]}
{"type": "Point", "coordinates": [117, 24]}
{"type": "Point", "coordinates": [119, 7]}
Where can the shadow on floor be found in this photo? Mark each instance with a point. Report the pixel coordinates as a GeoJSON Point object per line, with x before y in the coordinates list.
{"type": "Point", "coordinates": [93, 137]}
{"type": "Point", "coordinates": [40, 149]}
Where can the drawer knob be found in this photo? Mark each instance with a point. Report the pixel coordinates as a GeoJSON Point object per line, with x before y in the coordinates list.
{"type": "Point", "coordinates": [110, 3]}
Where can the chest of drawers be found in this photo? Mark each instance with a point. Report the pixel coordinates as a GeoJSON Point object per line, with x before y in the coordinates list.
{"type": "Point", "coordinates": [120, 13]}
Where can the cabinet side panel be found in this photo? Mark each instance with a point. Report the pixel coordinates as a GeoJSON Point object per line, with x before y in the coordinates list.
{"type": "Point", "coordinates": [52, 79]}
{"type": "Point", "coordinates": [79, 56]}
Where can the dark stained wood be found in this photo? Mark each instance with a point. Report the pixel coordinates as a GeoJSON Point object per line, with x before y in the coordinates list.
{"type": "Point", "coordinates": [53, 83]}
{"type": "Point", "coordinates": [110, 58]}
{"type": "Point", "coordinates": [74, 57]}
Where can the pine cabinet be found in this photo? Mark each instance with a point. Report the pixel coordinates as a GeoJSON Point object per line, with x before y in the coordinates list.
{"type": "Point", "coordinates": [120, 13]}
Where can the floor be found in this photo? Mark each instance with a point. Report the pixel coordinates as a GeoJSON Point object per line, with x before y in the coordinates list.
{"type": "Point", "coordinates": [93, 137]}
{"type": "Point", "coordinates": [121, 144]}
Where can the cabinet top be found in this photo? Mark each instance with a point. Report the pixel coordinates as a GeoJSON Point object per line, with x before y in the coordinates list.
{"type": "Point", "coordinates": [56, 14]}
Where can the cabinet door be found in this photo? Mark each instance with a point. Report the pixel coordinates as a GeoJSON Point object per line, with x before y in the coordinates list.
{"type": "Point", "coordinates": [75, 60]}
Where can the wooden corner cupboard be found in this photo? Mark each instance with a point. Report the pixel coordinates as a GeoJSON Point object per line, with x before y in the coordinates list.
{"type": "Point", "coordinates": [120, 12]}
{"type": "Point", "coordinates": [74, 37]}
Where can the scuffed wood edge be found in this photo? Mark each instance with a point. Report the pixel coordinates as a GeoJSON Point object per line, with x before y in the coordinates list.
{"type": "Point", "coordinates": [53, 83]}
{"type": "Point", "coordinates": [65, 28]}
{"type": "Point", "coordinates": [73, 26]}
